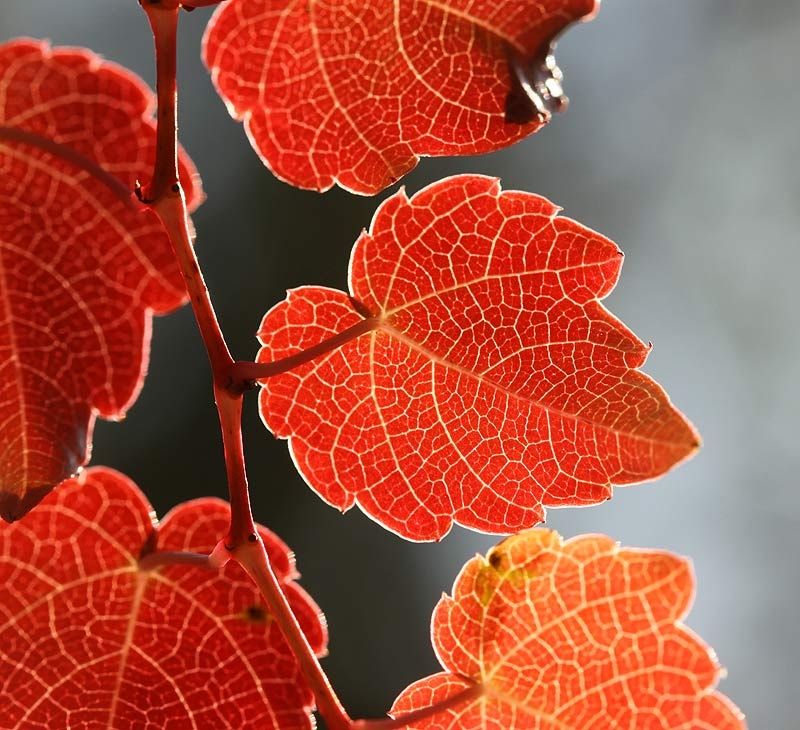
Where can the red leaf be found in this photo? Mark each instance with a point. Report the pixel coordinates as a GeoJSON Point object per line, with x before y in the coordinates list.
{"type": "Point", "coordinates": [81, 271]}
{"type": "Point", "coordinates": [90, 640]}
{"type": "Point", "coordinates": [495, 381]}
{"type": "Point", "coordinates": [352, 93]}
{"type": "Point", "coordinates": [551, 635]}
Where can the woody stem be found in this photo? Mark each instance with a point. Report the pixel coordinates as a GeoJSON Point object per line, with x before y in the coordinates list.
{"type": "Point", "coordinates": [166, 198]}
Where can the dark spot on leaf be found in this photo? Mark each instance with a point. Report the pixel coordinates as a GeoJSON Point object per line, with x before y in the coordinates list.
{"type": "Point", "coordinates": [255, 614]}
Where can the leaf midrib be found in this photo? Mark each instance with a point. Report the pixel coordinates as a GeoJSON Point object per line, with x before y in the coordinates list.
{"type": "Point", "coordinates": [409, 341]}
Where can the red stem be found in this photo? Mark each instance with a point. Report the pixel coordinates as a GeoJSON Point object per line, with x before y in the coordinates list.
{"type": "Point", "coordinates": [166, 198]}
{"type": "Point", "coordinates": [163, 17]}
{"type": "Point", "coordinates": [252, 556]}
{"type": "Point", "coordinates": [171, 209]}
{"type": "Point", "coordinates": [242, 527]}
{"type": "Point", "coordinates": [243, 371]}
{"type": "Point", "coordinates": [244, 545]}
{"type": "Point", "coordinates": [156, 560]}
{"type": "Point", "coordinates": [164, 192]}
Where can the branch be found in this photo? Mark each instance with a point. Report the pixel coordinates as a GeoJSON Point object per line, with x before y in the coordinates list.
{"type": "Point", "coordinates": [171, 209]}
{"type": "Point", "coordinates": [252, 556]}
{"type": "Point", "coordinates": [163, 17]}
{"type": "Point", "coordinates": [166, 198]}
{"type": "Point", "coordinates": [242, 526]}
{"type": "Point", "coordinates": [164, 193]}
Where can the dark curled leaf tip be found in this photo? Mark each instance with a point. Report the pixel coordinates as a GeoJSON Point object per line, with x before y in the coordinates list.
{"type": "Point", "coordinates": [495, 559]}
{"type": "Point", "coordinates": [536, 91]}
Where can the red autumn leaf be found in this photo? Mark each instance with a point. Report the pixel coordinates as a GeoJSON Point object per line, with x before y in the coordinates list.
{"type": "Point", "coordinates": [82, 269]}
{"type": "Point", "coordinates": [353, 93]}
{"type": "Point", "coordinates": [493, 381]}
{"type": "Point", "coordinates": [91, 640]}
{"type": "Point", "coordinates": [548, 635]}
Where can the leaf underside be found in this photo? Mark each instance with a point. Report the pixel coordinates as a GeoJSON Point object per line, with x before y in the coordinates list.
{"type": "Point", "coordinates": [494, 382]}
{"type": "Point", "coordinates": [82, 268]}
{"type": "Point", "coordinates": [353, 93]}
{"type": "Point", "coordinates": [558, 635]}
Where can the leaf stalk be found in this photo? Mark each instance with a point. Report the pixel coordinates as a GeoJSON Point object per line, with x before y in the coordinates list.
{"type": "Point", "coordinates": [243, 371]}
{"type": "Point", "coordinates": [64, 152]}
{"type": "Point", "coordinates": [152, 561]}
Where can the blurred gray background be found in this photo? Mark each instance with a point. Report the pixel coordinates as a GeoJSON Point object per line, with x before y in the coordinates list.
{"type": "Point", "coordinates": [682, 145]}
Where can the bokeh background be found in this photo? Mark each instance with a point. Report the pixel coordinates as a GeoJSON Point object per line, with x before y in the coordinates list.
{"type": "Point", "coordinates": [682, 145]}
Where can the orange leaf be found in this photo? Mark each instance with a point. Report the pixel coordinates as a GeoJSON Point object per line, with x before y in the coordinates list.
{"type": "Point", "coordinates": [550, 635]}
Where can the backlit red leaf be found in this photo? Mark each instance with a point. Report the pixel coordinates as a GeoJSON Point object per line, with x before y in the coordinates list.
{"type": "Point", "coordinates": [82, 270]}
{"type": "Point", "coordinates": [352, 93]}
{"type": "Point", "coordinates": [551, 635]}
{"type": "Point", "coordinates": [88, 639]}
{"type": "Point", "coordinates": [494, 383]}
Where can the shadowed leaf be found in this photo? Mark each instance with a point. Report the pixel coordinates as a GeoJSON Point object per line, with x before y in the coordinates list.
{"type": "Point", "coordinates": [82, 267]}
{"type": "Point", "coordinates": [88, 639]}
